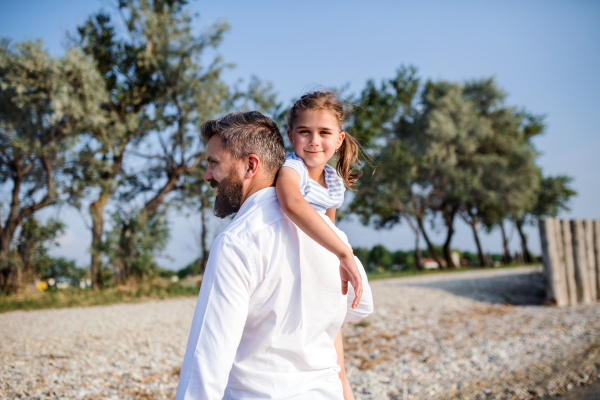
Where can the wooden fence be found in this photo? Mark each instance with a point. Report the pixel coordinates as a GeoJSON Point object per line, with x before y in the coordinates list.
{"type": "Point", "coordinates": [571, 252]}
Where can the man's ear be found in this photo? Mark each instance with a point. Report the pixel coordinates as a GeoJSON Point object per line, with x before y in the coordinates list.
{"type": "Point", "coordinates": [252, 166]}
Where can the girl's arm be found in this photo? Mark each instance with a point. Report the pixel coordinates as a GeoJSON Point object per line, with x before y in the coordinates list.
{"type": "Point", "coordinates": [308, 219]}
{"type": "Point", "coordinates": [331, 214]}
{"type": "Point", "coordinates": [339, 348]}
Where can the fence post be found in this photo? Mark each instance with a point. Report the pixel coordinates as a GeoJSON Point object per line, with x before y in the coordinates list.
{"type": "Point", "coordinates": [556, 287]}
{"type": "Point", "coordinates": [568, 261]}
{"type": "Point", "coordinates": [546, 259]}
{"type": "Point", "coordinates": [597, 256]}
{"type": "Point", "coordinates": [580, 258]}
{"type": "Point", "coordinates": [591, 257]}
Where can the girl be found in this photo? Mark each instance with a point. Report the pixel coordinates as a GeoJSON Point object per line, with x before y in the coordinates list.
{"type": "Point", "coordinates": [307, 186]}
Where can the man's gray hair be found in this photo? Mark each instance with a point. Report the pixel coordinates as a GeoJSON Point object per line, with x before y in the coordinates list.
{"type": "Point", "coordinates": [245, 133]}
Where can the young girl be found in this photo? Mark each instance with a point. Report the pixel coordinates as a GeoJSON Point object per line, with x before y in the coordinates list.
{"type": "Point", "coordinates": [309, 189]}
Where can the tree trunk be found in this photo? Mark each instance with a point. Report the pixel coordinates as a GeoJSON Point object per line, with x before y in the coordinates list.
{"type": "Point", "coordinates": [97, 213]}
{"type": "Point", "coordinates": [526, 255]}
{"type": "Point", "coordinates": [507, 257]}
{"type": "Point", "coordinates": [482, 259]}
{"type": "Point", "coordinates": [473, 222]}
{"type": "Point", "coordinates": [449, 219]}
{"type": "Point", "coordinates": [203, 207]}
{"type": "Point", "coordinates": [415, 229]}
{"type": "Point", "coordinates": [16, 216]}
{"type": "Point", "coordinates": [418, 251]}
{"type": "Point", "coordinates": [432, 250]}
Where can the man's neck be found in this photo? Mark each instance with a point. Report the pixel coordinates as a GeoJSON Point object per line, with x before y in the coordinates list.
{"type": "Point", "coordinates": [254, 187]}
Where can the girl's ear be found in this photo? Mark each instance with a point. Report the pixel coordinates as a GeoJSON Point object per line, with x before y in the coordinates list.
{"type": "Point", "coordinates": [341, 139]}
{"type": "Point", "coordinates": [289, 132]}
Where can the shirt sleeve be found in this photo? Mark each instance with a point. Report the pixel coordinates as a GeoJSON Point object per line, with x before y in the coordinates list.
{"type": "Point", "coordinates": [297, 165]}
{"type": "Point", "coordinates": [218, 323]}
{"type": "Point", "coordinates": [365, 307]}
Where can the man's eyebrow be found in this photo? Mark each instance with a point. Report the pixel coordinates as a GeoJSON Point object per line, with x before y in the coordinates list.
{"type": "Point", "coordinates": [212, 159]}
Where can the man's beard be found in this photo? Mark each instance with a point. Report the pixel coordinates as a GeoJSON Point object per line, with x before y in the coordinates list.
{"type": "Point", "coordinates": [229, 195]}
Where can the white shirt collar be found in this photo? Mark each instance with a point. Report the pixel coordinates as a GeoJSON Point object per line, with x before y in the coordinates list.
{"type": "Point", "coordinates": [256, 198]}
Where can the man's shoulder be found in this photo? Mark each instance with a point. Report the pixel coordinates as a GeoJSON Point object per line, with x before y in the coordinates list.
{"type": "Point", "coordinates": [261, 219]}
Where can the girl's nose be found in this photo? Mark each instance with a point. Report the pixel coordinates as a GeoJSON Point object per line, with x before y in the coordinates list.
{"type": "Point", "coordinates": [314, 140]}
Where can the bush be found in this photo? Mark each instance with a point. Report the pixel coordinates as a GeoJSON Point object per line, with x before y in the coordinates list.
{"type": "Point", "coordinates": [379, 256]}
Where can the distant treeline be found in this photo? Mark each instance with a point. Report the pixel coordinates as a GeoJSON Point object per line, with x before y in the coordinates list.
{"type": "Point", "coordinates": [112, 129]}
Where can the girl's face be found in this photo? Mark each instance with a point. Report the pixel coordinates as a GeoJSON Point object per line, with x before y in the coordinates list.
{"type": "Point", "coordinates": [315, 136]}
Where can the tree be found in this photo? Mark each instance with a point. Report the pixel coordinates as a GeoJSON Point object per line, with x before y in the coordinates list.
{"type": "Point", "coordinates": [379, 256]}
{"type": "Point", "coordinates": [159, 94]}
{"type": "Point", "coordinates": [134, 263]}
{"type": "Point", "coordinates": [30, 255]}
{"type": "Point", "coordinates": [45, 103]}
{"type": "Point", "coordinates": [447, 136]}
{"type": "Point", "coordinates": [129, 73]}
{"type": "Point", "coordinates": [504, 171]}
{"type": "Point", "coordinates": [551, 197]}
{"type": "Point", "coordinates": [185, 93]}
{"type": "Point", "coordinates": [389, 191]}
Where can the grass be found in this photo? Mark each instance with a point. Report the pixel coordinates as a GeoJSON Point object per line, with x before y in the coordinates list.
{"type": "Point", "coordinates": [375, 275]}
{"type": "Point", "coordinates": [84, 297]}
{"type": "Point", "coordinates": [155, 290]}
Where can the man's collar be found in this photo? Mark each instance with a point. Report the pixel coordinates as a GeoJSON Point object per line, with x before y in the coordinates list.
{"type": "Point", "coordinates": [256, 198]}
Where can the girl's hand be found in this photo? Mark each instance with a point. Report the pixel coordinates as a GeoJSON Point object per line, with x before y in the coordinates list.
{"type": "Point", "coordinates": [349, 273]}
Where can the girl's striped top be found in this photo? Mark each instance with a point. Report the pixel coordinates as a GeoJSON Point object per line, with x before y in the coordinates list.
{"type": "Point", "coordinates": [317, 196]}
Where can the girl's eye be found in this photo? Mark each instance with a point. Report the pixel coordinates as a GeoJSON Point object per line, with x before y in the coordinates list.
{"type": "Point", "coordinates": [325, 133]}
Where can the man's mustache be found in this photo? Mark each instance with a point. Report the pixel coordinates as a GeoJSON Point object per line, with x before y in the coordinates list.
{"type": "Point", "coordinates": [213, 183]}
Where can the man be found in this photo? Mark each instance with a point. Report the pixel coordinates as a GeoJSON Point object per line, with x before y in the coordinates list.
{"type": "Point", "coordinates": [270, 304]}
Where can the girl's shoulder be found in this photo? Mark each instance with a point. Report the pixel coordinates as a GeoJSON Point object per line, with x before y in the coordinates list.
{"type": "Point", "coordinates": [335, 183]}
{"type": "Point", "coordinates": [297, 164]}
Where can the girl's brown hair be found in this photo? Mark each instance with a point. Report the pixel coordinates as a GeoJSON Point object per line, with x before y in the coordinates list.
{"type": "Point", "coordinates": [348, 152]}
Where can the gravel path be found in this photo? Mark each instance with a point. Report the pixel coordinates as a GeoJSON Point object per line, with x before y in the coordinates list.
{"type": "Point", "coordinates": [467, 335]}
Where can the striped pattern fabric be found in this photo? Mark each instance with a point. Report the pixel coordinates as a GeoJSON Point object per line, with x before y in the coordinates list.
{"type": "Point", "coordinates": [317, 196]}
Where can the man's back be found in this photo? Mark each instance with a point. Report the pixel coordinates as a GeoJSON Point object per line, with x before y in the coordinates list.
{"type": "Point", "coordinates": [267, 314]}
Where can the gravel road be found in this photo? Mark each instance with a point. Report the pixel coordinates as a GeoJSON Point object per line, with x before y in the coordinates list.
{"type": "Point", "coordinates": [464, 335]}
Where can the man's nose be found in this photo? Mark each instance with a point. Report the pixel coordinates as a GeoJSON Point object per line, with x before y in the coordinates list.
{"type": "Point", "coordinates": [207, 175]}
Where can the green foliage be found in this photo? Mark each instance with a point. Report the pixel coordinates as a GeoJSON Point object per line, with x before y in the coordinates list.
{"type": "Point", "coordinates": [404, 259]}
{"type": "Point", "coordinates": [381, 257]}
{"type": "Point", "coordinates": [553, 195]}
{"type": "Point", "coordinates": [134, 256]}
{"type": "Point", "coordinates": [362, 254]}
{"type": "Point", "coordinates": [444, 149]}
{"type": "Point", "coordinates": [44, 103]}
{"type": "Point", "coordinates": [73, 297]}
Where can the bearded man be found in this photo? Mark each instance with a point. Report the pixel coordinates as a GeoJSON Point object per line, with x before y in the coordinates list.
{"type": "Point", "coordinates": [270, 304]}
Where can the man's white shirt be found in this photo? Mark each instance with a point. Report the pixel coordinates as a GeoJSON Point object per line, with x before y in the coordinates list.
{"type": "Point", "coordinates": [268, 312]}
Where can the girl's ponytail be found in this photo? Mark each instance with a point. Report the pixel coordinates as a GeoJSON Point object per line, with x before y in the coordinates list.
{"type": "Point", "coordinates": [346, 161]}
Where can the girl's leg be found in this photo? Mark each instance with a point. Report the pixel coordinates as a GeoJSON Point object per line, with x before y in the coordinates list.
{"type": "Point", "coordinates": [339, 348]}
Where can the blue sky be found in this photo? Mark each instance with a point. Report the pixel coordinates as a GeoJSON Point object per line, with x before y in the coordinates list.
{"type": "Point", "coordinates": [545, 54]}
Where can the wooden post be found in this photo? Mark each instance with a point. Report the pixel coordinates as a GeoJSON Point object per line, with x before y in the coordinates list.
{"type": "Point", "coordinates": [555, 281]}
{"type": "Point", "coordinates": [580, 258]}
{"type": "Point", "coordinates": [588, 226]}
{"type": "Point", "coordinates": [546, 260]}
{"type": "Point", "coordinates": [559, 272]}
{"type": "Point", "coordinates": [568, 262]}
{"type": "Point", "coordinates": [597, 256]}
